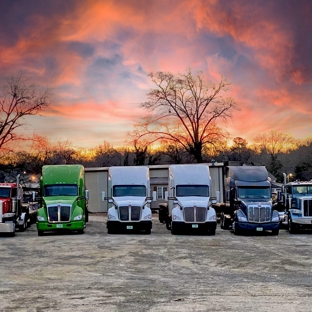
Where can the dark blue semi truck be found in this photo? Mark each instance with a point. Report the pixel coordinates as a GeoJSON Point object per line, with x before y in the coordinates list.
{"type": "Point", "coordinates": [248, 204]}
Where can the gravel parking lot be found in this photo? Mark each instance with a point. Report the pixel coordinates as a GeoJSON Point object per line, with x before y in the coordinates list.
{"type": "Point", "coordinates": [158, 272]}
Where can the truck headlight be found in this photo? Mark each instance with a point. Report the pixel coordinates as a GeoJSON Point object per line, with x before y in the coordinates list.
{"type": "Point", "coordinates": [212, 218]}
{"type": "Point", "coordinates": [148, 217]}
{"type": "Point", "coordinates": [77, 218]}
{"type": "Point", "coordinates": [39, 218]}
{"type": "Point", "coordinates": [241, 216]}
{"type": "Point", "coordinates": [275, 216]}
{"type": "Point", "coordinates": [111, 217]}
{"type": "Point", "coordinates": [175, 217]}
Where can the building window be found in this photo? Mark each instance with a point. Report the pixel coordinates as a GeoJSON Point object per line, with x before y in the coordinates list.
{"type": "Point", "coordinates": [161, 192]}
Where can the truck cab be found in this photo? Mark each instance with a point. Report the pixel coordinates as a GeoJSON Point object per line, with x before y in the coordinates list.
{"type": "Point", "coordinates": [248, 197]}
{"type": "Point", "coordinates": [64, 199]}
{"type": "Point", "coordinates": [297, 201]}
{"type": "Point", "coordinates": [13, 214]}
{"type": "Point", "coordinates": [190, 200]}
{"type": "Point", "coordinates": [129, 200]}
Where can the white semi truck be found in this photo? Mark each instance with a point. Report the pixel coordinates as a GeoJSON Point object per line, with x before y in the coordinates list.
{"type": "Point", "coordinates": [129, 197]}
{"type": "Point", "coordinates": [296, 199]}
{"type": "Point", "coordinates": [189, 202]}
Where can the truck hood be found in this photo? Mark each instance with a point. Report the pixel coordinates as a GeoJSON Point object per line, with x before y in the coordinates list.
{"type": "Point", "coordinates": [193, 201]}
{"type": "Point", "coordinates": [69, 200]}
{"type": "Point", "coordinates": [129, 200]}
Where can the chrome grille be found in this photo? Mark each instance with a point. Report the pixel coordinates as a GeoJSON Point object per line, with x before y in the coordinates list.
{"type": "Point", "coordinates": [307, 208]}
{"type": "Point", "coordinates": [259, 214]}
{"type": "Point", "coordinates": [59, 213]}
{"type": "Point", "coordinates": [195, 214]}
{"type": "Point", "coordinates": [129, 213]}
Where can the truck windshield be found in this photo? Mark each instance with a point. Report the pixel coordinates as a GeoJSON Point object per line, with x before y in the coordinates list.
{"type": "Point", "coordinates": [5, 192]}
{"type": "Point", "coordinates": [61, 190]}
{"type": "Point", "coordinates": [302, 189]}
{"type": "Point", "coordinates": [129, 190]}
{"type": "Point", "coordinates": [192, 190]}
{"type": "Point", "coordinates": [254, 192]}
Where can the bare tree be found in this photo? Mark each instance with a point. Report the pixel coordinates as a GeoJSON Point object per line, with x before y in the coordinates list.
{"type": "Point", "coordinates": [184, 110]}
{"type": "Point", "coordinates": [19, 99]}
{"type": "Point", "coordinates": [273, 143]}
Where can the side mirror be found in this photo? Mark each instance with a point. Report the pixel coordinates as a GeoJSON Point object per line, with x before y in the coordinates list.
{"type": "Point", "coordinates": [110, 200]}
{"type": "Point", "coordinates": [87, 194]}
{"type": "Point", "coordinates": [103, 196]}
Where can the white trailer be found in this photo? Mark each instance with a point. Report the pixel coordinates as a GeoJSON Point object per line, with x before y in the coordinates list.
{"type": "Point", "coordinates": [190, 199]}
{"type": "Point", "coordinates": [129, 197]}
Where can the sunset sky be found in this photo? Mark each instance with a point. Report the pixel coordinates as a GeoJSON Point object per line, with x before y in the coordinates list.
{"type": "Point", "coordinates": [96, 55]}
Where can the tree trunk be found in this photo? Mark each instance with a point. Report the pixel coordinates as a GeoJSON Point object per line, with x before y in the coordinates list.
{"type": "Point", "coordinates": [196, 151]}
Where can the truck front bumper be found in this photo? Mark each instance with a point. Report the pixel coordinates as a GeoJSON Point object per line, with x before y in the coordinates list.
{"type": "Point", "coordinates": [302, 223]}
{"type": "Point", "coordinates": [7, 227]}
{"type": "Point", "coordinates": [118, 226]}
{"type": "Point", "coordinates": [180, 227]}
{"type": "Point", "coordinates": [58, 227]}
{"type": "Point", "coordinates": [258, 227]}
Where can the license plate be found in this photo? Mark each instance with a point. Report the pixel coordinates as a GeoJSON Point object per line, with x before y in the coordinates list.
{"type": "Point", "coordinates": [259, 229]}
{"type": "Point", "coordinates": [195, 226]}
{"type": "Point", "coordinates": [129, 227]}
{"type": "Point", "coordinates": [59, 225]}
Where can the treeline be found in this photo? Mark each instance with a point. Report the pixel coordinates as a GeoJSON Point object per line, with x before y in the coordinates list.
{"type": "Point", "coordinates": [295, 160]}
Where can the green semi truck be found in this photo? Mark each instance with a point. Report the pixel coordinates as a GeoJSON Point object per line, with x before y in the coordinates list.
{"type": "Point", "coordinates": [64, 199]}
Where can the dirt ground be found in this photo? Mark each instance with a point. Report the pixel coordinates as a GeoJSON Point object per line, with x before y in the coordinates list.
{"type": "Point", "coordinates": [158, 272]}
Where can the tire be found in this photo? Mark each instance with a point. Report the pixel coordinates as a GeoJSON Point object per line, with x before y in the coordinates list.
{"type": "Point", "coordinates": [173, 231]}
{"type": "Point", "coordinates": [236, 230]}
{"type": "Point", "coordinates": [222, 222]}
{"type": "Point", "coordinates": [80, 231]}
{"type": "Point", "coordinates": [40, 233]}
{"type": "Point", "coordinates": [23, 227]}
{"type": "Point", "coordinates": [86, 215]}
{"type": "Point", "coordinates": [148, 231]}
{"type": "Point", "coordinates": [291, 228]}
{"type": "Point", "coordinates": [275, 232]}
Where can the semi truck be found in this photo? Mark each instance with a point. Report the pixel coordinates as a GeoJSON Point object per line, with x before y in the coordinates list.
{"type": "Point", "coordinates": [296, 200]}
{"type": "Point", "coordinates": [13, 213]}
{"type": "Point", "coordinates": [189, 202]}
{"type": "Point", "coordinates": [64, 199]}
{"type": "Point", "coordinates": [129, 198]}
{"type": "Point", "coordinates": [248, 205]}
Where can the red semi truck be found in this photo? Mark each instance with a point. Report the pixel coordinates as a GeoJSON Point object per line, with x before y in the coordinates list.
{"type": "Point", "coordinates": [13, 214]}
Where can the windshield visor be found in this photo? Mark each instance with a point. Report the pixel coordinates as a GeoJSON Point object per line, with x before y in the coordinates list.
{"type": "Point", "coordinates": [61, 190]}
{"type": "Point", "coordinates": [252, 193]}
{"type": "Point", "coordinates": [192, 190]}
{"type": "Point", "coordinates": [129, 190]}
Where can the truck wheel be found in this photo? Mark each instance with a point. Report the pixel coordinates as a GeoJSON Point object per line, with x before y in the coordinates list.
{"type": "Point", "coordinates": [173, 231]}
{"type": "Point", "coordinates": [212, 232]}
{"type": "Point", "coordinates": [222, 221]}
{"type": "Point", "coordinates": [87, 215]}
{"type": "Point", "coordinates": [291, 228]}
{"type": "Point", "coordinates": [236, 230]}
{"type": "Point", "coordinates": [23, 227]}
{"type": "Point", "coordinates": [40, 233]}
{"type": "Point", "coordinates": [80, 231]}
{"type": "Point", "coordinates": [275, 232]}
{"type": "Point", "coordinates": [148, 231]}
{"type": "Point", "coordinates": [110, 231]}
